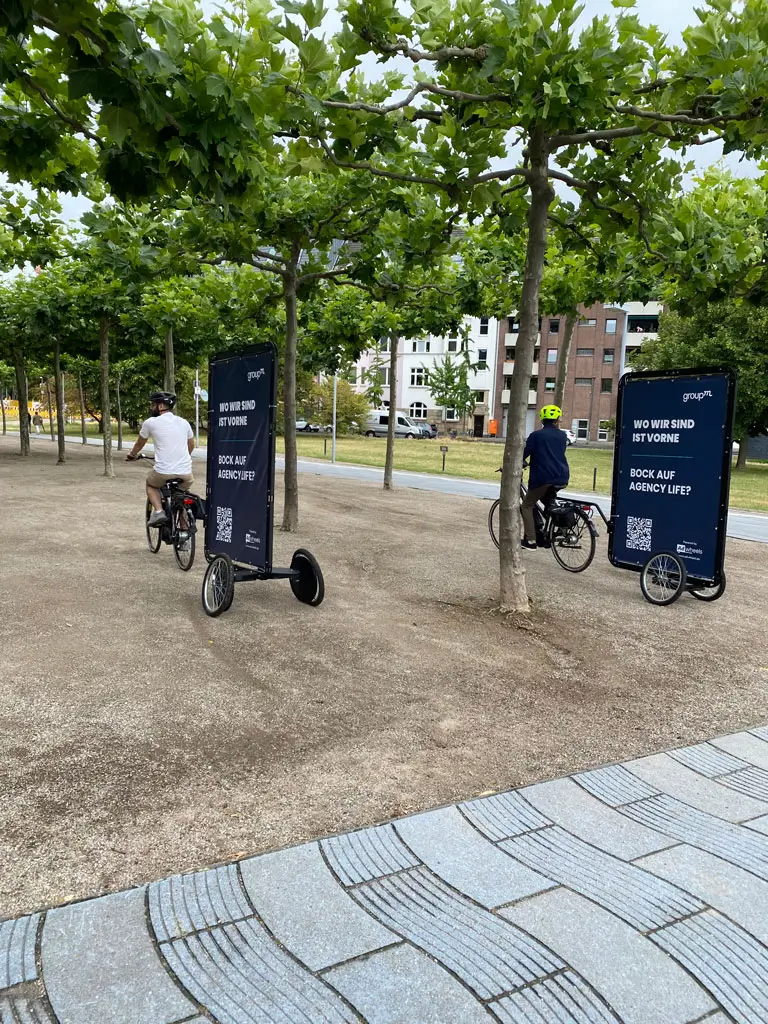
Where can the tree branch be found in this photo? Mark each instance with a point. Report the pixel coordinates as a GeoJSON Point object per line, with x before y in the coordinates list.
{"type": "Point", "coordinates": [28, 80]}
{"type": "Point", "coordinates": [441, 54]}
{"type": "Point", "coordinates": [572, 227]}
{"type": "Point", "coordinates": [681, 117]}
{"type": "Point", "coordinates": [417, 179]}
{"type": "Point", "coordinates": [275, 257]}
{"type": "Point", "coordinates": [420, 87]}
{"type": "Point", "coordinates": [512, 172]}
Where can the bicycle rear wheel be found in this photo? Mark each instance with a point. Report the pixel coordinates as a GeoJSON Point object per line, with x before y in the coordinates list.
{"type": "Point", "coordinates": [183, 540]}
{"type": "Point", "coordinates": [705, 593]}
{"type": "Point", "coordinates": [154, 533]}
{"type": "Point", "coordinates": [574, 546]}
{"type": "Point", "coordinates": [218, 585]}
{"type": "Point", "coordinates": [663, 578]}
{"type": "Point", "coordinates": [493, 521]}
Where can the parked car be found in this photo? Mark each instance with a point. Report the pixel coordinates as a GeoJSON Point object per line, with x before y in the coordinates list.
{"type": "Point", "coordinates": [570, 435]}
{"type": "Point", "coordinates": [377, 425]}
{"type": "Point", "coordinates": [307, 427]}
{"type": "Point", "coordinates": [429, 429]}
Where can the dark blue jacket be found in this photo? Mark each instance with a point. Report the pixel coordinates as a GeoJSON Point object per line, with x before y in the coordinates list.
{"type": "Point", "coordinates": [546, 450]}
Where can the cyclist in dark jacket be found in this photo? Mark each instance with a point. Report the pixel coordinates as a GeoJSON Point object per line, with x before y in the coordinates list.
{"type": "Point", "coordinates": [545, 450]}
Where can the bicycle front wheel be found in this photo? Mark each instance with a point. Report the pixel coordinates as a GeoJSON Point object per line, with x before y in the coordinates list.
{"type": "Point", "coordinates": [574, 546]}
{"type": "Point", "coordinates": [218, 585]}
{"type": "Point", "coordinates": [183, 541]}
{"type": "Point", "coordinates": [663, 578]}
{"type": "Point", "coordinates": [493, 521]}
{"type": "Point", "coordinates": [154, 533]}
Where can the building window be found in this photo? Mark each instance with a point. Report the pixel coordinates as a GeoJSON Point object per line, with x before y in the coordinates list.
{"type": "Point", "coordinates": [585, 382]}
{"type": "Point", "coordinates": [588, 322]}
{"type": "Point", "coordinates": [549, 383]}
{"type": "Point", "coordinates": [509, 353]}
{"type": "Point", "coordinates": [419, 377]}
{"type": "Point", "coordinates": [482, 359]}
{"type": "Point", "coordinates": [507, 383]}
{"type": "Point", "coordinates": [582, 430]}
{"type": "Point", "coordinates": [479, 397]}
{"type": "Point", "coordinates": [453, 344]}
{"type": "Point", "coordinates": [384, 345]}
{"type": "Point", "coordinates": [418, 411]}
{"type": "Point", "coordinates": [420, 346]}
{"type": "Point", "coordinates": [451, 414]}
{"type": "Point", "coordinates": [606, 385]}
{"type": "Point", "coordinates": [610, 326]}
{"type": "Point", "coordinates": [551, 355]}
{"type": "Point", "coordinates": [602, 430]}
{"type": "Point", "coordinates": [554, 326]}
{"type": "Point", "coordinates": [350, 375]}
{"type": "Point", "coordinates": [384, 376]}
{"type": "Point", "coordinates": [608, 355]}
{"type": "Point", "coordinates": [514, 325]}
{"type": "Point", "coordinates": [585, 352]}
{"type": "Point", "coordinates": [483, 324]}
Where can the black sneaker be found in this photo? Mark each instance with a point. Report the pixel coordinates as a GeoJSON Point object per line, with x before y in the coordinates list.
{"type": "Point", "coordinates": [530, 545]}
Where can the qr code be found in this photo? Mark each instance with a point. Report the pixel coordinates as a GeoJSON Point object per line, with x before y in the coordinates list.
{"type": "Point", "coordinates": [224, 524]}
{"type": "Point", "coordinates": [639, 533]}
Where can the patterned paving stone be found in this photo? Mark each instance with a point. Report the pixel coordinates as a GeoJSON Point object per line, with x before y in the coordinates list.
{"type": "Point", "coordinates": [303, 905]}
{"type": "Point", "coordinates": [735, 892]}
{"type": "Point", "coordinates": [187, 903]}
{"type": "Point", "coordinates": [674, 779]}
{"type": "Point", "coordinates": [488, 954]}
{"type": "Point", "coordinates": [99, 965]}
{"type": "Point", "coordinates": [761, 732]}
{"type": "Point", "coordinates": [503, 815]}
{"type": "Point", "coordinates": [24, 1010]}
{"type": "Point", "coordinates": [582, 814]}
{"type": "Point", "coordinates": [404, 986]}
{"type": "Point", "coordinates": [735, 844]}
{"type": "Point", "coordinates": [731, 963]}
{"type": "Point", "coordinates": [758, 824]}
{"type": "Point", "coordinates": [17, 950]}
{"type": "Point", "coordinates": [640, 982]}
{"type": "Point", "coordinates": [706, 759]}
{"type": "Point", "coordinates": [752, 781]}
{"type": "Point", "coordinates": [241, 976]}
{"type": "Point", "coordinates": [632, 894]}
{"type": "Point", "coordinates": [564, 999]}
{"type": "Point", "coordinates": [614, 785]}
{"type": "Point", "coordinates": [369, 853]}
{"type": "Point", "coordinates": [749, 748]}
{"type": "Point", "coordinates": [454, 850]}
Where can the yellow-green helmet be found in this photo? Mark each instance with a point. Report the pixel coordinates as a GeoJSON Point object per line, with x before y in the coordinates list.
{"type": "Point", "coordinates": [550, 412]}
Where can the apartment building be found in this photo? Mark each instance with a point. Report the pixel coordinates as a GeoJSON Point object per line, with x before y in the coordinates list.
{"type": "Point", "coordinates": [415, 361]}
{"type": "Point", "coordinates": [603, 339]}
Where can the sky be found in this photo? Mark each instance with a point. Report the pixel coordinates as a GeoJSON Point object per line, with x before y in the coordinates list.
{"type": "Point", "coordinates": [671, 16]}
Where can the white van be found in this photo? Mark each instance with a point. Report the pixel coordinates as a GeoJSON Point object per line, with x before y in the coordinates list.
{"type": "Point", "coordinates": [377, 425]}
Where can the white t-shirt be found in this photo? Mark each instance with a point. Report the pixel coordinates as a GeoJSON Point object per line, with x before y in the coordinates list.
{"type": "Point", "coordinates": [169, 434]}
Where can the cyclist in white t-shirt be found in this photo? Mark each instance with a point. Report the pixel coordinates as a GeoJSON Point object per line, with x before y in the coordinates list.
{"type": "Point", "coordinates": [174, 441]}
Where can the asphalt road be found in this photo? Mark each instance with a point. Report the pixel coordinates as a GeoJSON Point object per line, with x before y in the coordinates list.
{"type": "Point", "coordinates": [741, 525]}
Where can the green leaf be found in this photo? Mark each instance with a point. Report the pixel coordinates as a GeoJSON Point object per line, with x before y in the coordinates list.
{"type": "Point", "coordinates": [314, 56]}
{"type": "Point", "coordinates": [119, 122]}
{"type": "Point", "coordinates": [291, 31]}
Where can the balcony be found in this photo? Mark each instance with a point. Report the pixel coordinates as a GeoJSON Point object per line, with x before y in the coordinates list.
{"type": "Point", "coordinates": [532, 397]}
{"type": "Point", "coordinates": [509, 367]}
{"type": "Point", "coordinates": [635, 339]}
{"type": "Point", "coordinates": [511, 339]}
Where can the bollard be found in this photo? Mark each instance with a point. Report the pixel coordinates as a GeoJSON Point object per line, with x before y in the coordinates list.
{"type": "Point", "coordinates": [325, 446]}
{"type": "Point", "coordinates": [444, 450]}
{"type": "Point", "coordinates": [594, 479]}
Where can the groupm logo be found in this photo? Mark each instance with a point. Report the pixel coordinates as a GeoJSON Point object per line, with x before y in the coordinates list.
{"type": "Point", "coordinates": [696, 396]}
{"type": "Point", "coordinates": [255, 374]}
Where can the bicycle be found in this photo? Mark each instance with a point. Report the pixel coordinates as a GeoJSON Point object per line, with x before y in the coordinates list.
{"type": "Point", "coordinates": [183, 509]}
{"type": "Point", "coordinates": [562, 524]}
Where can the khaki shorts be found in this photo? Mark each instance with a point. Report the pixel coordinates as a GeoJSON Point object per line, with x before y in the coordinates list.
{"type": "Point", "coordinates": [155, 479]}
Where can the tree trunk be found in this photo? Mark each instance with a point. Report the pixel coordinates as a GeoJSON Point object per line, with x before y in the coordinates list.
{"type": "Point", "coordinates": [22, 391]}
{"type": "Point", "coordinates": [106, 413]}
{"type": "Point", "coordinates": [59, 384]}
{"type": "Point", "coordinates": [50, 406]}
{"type": "Point", "coordinates": [119, 416]}
{"type": "Point", "coordinates": [170, 365]}
{"type": "Point", "coordinates": [562, 359]}
{"type": "Point", "coordinates": [741, 461]}
{"type": "Point", "coordinates": [291, 479]}
{"type": "Point", "coordinates": [81, 396]}
{"type": "Point", "coordinates": [389, 459]}
{"type": "Point", "coordinates": [514, 595]}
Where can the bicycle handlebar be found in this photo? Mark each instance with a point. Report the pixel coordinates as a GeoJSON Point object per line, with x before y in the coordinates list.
{"type": "Point", "coordinates": [139, 458]}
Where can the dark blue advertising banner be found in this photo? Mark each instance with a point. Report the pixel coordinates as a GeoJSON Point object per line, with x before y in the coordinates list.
{"type": "Point", "coordinates": [671, 470]}
{"type": "Point", "coordinates": [241, 456]}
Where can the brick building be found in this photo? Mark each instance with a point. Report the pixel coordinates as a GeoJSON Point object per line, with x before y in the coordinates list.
{"type": "Point", "coordinates": [603, 338]}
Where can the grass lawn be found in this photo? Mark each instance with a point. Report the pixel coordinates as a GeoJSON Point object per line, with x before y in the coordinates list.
{"type": "Point", "coordinates": [479, 461]}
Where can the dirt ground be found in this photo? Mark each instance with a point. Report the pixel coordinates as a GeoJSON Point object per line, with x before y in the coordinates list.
{"type": "Point", "coordinates": [142, 738]}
